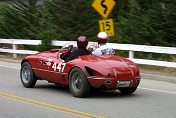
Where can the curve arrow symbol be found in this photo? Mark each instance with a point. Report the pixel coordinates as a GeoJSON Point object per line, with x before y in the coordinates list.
{"type": "Point", "coordinates": [104, 6]}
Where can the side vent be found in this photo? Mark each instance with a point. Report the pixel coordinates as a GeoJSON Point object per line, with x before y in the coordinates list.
{"type": "Point", "coordinates": [89, 70]}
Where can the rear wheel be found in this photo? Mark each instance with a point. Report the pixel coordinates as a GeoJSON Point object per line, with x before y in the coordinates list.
{"type": "Point", "coordinates": [28, 78]}
{"type": "Point", "coordinates": [126, 91]}
{"type": "Point", "coordinates": [78, 83]}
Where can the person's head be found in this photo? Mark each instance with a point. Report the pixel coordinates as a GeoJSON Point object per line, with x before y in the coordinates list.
{"type": "Point", "coordinates": [82, 42]}
{"type": "Point", "coordinates": [102, 38]}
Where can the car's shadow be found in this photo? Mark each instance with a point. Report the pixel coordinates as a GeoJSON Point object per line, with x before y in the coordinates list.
{"type": "Point", "coordinates": [52, 88]}
{"type": "Point", "coordinates": [94, 93]}
{"type": "Point", "coordinates": [98, 93]}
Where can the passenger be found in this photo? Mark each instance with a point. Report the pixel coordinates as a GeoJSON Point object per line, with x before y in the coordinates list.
{"type": "Point", "coordinates": [81, 50]}
{"type": "Point", "coordinates": [100, 49]}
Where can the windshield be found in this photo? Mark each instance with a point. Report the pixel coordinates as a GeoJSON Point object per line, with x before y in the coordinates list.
{"type": "Point", "coordinates": [66, 46]}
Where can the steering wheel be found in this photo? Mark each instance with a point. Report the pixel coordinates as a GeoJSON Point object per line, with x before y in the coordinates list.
{"type": "Point", "coordinates": [70, 47]}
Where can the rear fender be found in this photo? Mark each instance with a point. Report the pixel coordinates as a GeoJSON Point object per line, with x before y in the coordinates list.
{"type": "Point", "coordinates": [83, 69]}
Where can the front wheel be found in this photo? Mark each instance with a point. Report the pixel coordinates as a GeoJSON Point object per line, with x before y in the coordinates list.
{"type": "Point", "coordinates": [78, 83]}
{"type": "Point", "coordinates": [28, 78]}
{"type": "Point", "coordinates": [126, 91]}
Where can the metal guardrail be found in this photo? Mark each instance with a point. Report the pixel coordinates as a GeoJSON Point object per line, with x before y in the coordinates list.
{"type": "Point", "coordinates": [130, 47]}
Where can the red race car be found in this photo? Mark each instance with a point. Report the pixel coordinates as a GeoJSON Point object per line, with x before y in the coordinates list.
{"type": "Point", "coordinates": [80, 74]}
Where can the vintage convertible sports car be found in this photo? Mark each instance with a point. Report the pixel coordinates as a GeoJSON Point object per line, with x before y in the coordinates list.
{"type": "Point", "coordinates": [80, 74]}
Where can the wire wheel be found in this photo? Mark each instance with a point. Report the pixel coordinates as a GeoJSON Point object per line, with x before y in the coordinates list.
{"type": "Point", "coordinates": [28, 78]}
{"type": "Point", "coordinates": [78, 83]}
{"type": "Point", "coordinates": [25, 74]}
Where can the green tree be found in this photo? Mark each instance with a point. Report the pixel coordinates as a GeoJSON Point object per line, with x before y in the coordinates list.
{"type": "Point", "coordinates": [73, 18]}
{"type": "Point", "coordinates": [147, 23]}
{"type": "Point", "coordinates": [27, 20]}
{"type": "Point", "coordinates": [131, 24]}
{"type": "Point", "coordinates": [169, 26]}
{"type": "Point", "coordinates": [143, 22]}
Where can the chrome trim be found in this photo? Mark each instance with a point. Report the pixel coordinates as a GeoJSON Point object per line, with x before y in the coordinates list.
{"type": "Point", "coordinates": [40, 62]}
{"type": "Point", "coordinates": [93, 77]}
{"type": "Point", "coordinates": [132, 72]}
{"type": "Point", "coordinates": [138, 77]}
{"type": "Point", "coordinates": [115, 73]}
{"type": "Point", "coordinates": [49, 71]}
{"type": "Point", "coordinates": [44, 63]}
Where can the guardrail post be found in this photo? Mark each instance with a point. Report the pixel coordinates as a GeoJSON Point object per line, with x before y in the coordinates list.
{"type": "Point", "coordinates": [14, 48]}
{"type": "Point", "coordinates": [131, 54]}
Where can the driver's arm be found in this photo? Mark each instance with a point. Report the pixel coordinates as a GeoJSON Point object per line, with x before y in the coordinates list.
{"type": "Point", "coordinates": [73, 55]}
{"type": "Point", "coordinates": [97, 52]}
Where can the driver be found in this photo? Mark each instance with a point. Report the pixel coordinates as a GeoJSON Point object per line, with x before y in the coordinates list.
{"type": "Point", "coordinates": [81, 50]}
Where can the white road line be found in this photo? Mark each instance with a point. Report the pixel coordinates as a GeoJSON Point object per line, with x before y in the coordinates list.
{"type": "Point", "coordinates": [9, 67]}
{"type": "Point", "coordinates": [157, 90]}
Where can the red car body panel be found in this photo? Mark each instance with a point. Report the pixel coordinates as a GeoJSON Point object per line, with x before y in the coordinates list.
{"type": "Point", "coordinates": [101, 70]}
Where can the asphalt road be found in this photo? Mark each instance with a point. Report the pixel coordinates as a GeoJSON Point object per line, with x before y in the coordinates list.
{"type": "Point", "coordinates": [153, 99]}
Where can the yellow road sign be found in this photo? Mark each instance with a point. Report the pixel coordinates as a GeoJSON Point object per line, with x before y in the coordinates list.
{"type": "Point", "coordinates": [103, 7]}
{"type": "Point", "coordinates": [107, 26]}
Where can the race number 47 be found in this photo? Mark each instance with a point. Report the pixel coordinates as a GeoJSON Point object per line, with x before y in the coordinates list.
{"type": "Point", "coordinates": [59, 67]}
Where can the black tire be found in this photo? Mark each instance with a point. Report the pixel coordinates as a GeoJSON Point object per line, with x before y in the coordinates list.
{"type": "Point", "coordinates": [78, 83]}
{"type": "Point", "coordinates": [126, 91]}
{"type": "Point", "coordinates": [27, 76]}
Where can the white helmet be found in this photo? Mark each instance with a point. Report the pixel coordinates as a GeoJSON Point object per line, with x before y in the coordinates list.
{"type": "Point", "coordinates": [102, 37]}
